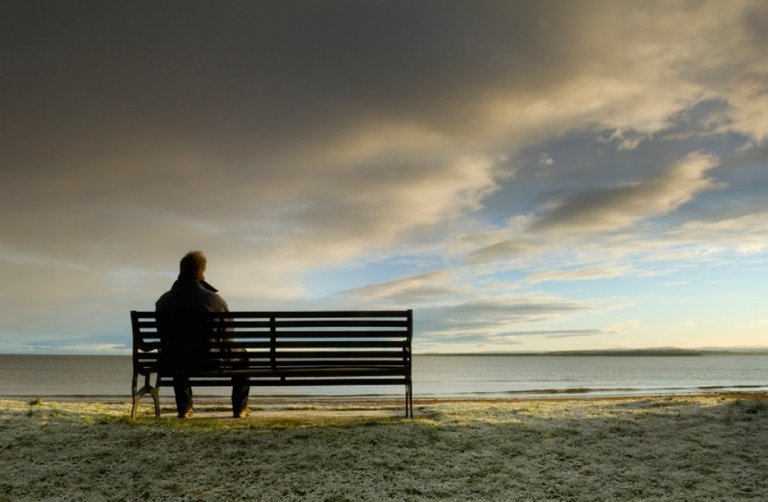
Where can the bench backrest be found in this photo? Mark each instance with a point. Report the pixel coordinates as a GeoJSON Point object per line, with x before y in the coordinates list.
{"type": "Point", "coordinates": [301, 339]}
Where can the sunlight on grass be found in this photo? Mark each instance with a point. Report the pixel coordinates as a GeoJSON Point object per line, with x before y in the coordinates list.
{"type": "Point", "coordinates": [689, 447]}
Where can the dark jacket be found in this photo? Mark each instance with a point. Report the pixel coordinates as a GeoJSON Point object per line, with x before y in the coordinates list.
{"type": "Point", "coordinates": [191, 295]}
{"type": "Point", "coordinates": [187, 334]}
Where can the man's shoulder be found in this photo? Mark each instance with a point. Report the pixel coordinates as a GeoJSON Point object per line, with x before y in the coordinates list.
{"type": "Point", "coordinates": [191, 295]}
{"type": "Point", "coordinates": [164, 299]}
{"type": "Point", "coordinates": [216, 302]}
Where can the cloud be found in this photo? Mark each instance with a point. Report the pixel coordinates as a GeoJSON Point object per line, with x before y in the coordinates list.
{"type": "Point", "coordinates": [374, 205]}
{"type": "Point", "coordinates": [284, 138]}
{"type": "Point", "coordinates": [627, 140]}
{"type": "Point", "coordinates": [500, 250]}
{"type": "Point", "coordinates": [545, 160]}
{"type": "Point", "coordinates": [578, 274]}
{"type": "Point", "coordinates": [493, 315]}
{"type": "Point", "coordinates": [746, 234]}
{"type": "Point", "coordinates": [574, 219]}
{"type": "Point", "coordinates": [422, 289]}
{"type": "Point", "coordinates": [620, 207]}
{"type": "Point", "coordinates": [450, 306]}
{"type": "Point", "coordinates": [633, 252]}
{"type": "Point", "coordinates": [555, 333]}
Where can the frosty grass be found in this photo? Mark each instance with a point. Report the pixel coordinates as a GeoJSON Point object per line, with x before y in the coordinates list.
{"type": "Point", "coordinates": [712, 447]}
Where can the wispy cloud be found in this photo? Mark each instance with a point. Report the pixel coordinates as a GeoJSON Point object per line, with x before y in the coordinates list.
{"type": "Point", "coordinates": [493, 316]}
{"type": "Point", "coordinates": [577, 274]}
{"type": "Point", "coordinates": [420, 289]}
{"type": "Point", "coordinates": [619, 207]}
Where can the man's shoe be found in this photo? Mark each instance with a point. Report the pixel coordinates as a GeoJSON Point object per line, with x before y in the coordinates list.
{"type": "Point", "coordinates": [243, 413]}
{"type": "Point", "coordinates": [186, 414]}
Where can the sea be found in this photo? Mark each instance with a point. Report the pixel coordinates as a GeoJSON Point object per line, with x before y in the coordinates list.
{"type": "Point", "coordinates": [439, 376]}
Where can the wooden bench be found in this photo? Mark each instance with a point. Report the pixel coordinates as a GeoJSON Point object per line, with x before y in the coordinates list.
{"type": "Point", "coordinates": [287, 349]}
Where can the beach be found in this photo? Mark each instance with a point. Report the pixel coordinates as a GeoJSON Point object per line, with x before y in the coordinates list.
{"type": "Point", "coordinates": [689, 447]}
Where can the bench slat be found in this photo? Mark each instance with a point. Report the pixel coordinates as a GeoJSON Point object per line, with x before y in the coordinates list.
{"type": "Point", "coordinates": [307, 314]}
{"type": "Point", "coordinates": [294, 332]}
{"type": "Point", "coordinates": [304, 382]}
{"type": "Point", "coordinates": [297, 314]}
{"type": "Point", "coordinates": [296, 354]}
{"type": "Point", "coordinates": [285, 335]}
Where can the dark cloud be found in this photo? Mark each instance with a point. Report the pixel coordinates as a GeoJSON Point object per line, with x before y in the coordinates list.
{"type": "Point", "coordinates": [499, 250]}
{"type": "Point", "coordinates": [262, 72]}
{"type": "Point", "coordinates": [494, 314]}
{"type": "Point", "coordinates": [619, 207]}
{"type": "Point", "coordinates": [282, 137]}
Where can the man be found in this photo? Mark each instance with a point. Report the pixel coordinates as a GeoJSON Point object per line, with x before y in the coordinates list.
{"type": "Point", "coordinates": [187, 334]}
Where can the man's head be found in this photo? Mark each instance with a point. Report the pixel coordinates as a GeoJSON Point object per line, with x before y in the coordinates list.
{"type": "Point", "coordinates": [192, 266]}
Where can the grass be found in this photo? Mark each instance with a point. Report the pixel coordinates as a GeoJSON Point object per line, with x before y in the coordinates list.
{"type": "Point", "coordinates": [680, 448]}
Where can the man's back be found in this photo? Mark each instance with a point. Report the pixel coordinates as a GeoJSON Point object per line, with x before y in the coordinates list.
{"type": "Point", "coordinates": [183, 322]}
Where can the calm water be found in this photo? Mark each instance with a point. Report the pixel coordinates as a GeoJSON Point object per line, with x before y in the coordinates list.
{"type": "Point", "coordinates": [479, 376]}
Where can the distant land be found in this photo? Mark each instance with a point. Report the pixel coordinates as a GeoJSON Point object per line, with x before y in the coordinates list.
{"type": "Point", "coordinates": [654, 352]}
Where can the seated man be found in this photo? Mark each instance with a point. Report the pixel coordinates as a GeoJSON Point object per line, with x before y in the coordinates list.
{"type": "Point", "coordinates": [187, 334]}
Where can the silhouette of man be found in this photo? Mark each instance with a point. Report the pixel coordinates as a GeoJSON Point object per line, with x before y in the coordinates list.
{"type": "Point", "coordinates": [188, 336]}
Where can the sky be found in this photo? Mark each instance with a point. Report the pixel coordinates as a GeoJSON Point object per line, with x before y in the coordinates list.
{"type": "Point", "coordinates": [525, 176]}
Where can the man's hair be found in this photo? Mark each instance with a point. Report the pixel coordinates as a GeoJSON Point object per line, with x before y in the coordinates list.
{"type": "Point", "coordinates": [192, 266]}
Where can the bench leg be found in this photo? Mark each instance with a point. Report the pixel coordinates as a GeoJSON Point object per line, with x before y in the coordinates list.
{"type": "Point", "coordinates": [134, 405]}
{"type": "Point", "coordinates": [138, 394]}
{"type": "Point", "coordinates": [155, 393]}
{"type": "Point", "coordinates": [409, 400]}
{"type": "Point", "coordinates": [135, 396]}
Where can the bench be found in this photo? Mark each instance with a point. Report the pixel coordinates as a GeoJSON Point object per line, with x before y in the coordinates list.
{"type": "Point", "coordinates": [286, 349]}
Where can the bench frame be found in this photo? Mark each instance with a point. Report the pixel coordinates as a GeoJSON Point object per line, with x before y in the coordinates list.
{"type": "Point", "coordinates": [287, 348]}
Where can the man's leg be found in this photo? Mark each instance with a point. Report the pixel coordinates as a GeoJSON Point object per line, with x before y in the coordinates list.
{"type": "Point", "coordinates": [183, 392]}
{"type": "Point", "coordinates": [240, 390]}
